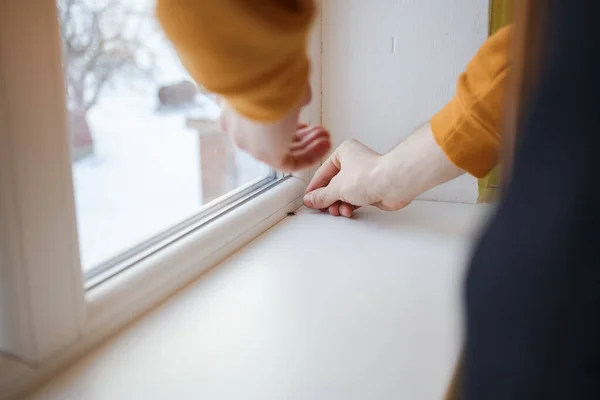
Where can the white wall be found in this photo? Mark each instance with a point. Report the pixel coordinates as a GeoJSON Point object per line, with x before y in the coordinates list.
{"type": "Point", "coordinates": [389, 65]}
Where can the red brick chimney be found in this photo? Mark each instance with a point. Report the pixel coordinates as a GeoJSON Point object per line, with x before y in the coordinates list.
{"type": "Point", "coordinates": [218, 173]}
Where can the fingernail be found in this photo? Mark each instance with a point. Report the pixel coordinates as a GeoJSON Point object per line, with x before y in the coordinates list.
{"type": "Point", "coordinates": [308, 200]}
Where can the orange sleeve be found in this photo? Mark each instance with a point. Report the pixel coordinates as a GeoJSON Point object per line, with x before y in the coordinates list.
{"type": "Point", "coordinates": [468, 128]}
{"type": "Point", "coordinates": [251, 52]}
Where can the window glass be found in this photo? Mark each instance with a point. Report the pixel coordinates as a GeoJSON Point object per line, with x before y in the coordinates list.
{"type": "Point", "coordinates": [146, 154]}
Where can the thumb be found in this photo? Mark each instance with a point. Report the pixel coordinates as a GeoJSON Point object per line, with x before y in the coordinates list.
{"type": "Point", "coordinates": [321, 198]}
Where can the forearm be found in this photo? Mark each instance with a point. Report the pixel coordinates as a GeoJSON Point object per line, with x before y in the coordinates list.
{"type": "Point", "coordinates": [411, 168]}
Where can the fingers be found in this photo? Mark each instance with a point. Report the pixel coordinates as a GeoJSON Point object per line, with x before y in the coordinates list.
{"type": "Point", "coordinates": [325, 173]}
{"type": "Point", "coordinates": [306, 135]}
{"type": "Point", "coordinates": [285, 144]}
{"type": "Point", "coordinates": [307, 155]}
{"type": "Point", "coordinates": [310, 145]}
{"type": "Point", "coordinates": [319, 193]}
{"type": "Point", "coordinates": [347, 210]}
{"type": "Point", "coordinates": [322, 197]}
{"type": "Point", "coordinates": [341, 208]}
{"type": "Point", "coordinates": [334, 209]}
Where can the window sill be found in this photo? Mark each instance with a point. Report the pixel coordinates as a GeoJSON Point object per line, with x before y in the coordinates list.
{"type": "Point", "coordinates": [318, 307]}
{"type": "Point", "coordinates": [118, 301]}
{"type": "Point", "coordinates": [161, 274]}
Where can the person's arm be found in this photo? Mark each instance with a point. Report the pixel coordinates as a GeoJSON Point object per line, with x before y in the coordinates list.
{"type": "Point", "coordinates": [252, 53]}
{"type": "Point", "coordinates": [356, 176]}
{"type": "Point", "coordinates": [468, 128]}
{"type": "Point", "coordinates": [463, 136]}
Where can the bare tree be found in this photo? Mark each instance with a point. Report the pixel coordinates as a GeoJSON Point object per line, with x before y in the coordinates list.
{"type": "Point", "coordinates": [103, 39]}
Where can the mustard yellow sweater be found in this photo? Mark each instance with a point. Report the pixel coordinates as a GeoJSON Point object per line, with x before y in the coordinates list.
{"type": "Point", "coordinates": [254, 54]}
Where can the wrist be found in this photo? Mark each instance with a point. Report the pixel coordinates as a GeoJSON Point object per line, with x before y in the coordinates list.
{"type": "Point", "coordinates": [393, 180]}
{"type": "Point", "coordinates": [413, 167]}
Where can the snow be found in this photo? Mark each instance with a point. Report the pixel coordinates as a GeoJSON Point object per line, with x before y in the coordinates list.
{"type": "Point", "coordinates": [144, 175]}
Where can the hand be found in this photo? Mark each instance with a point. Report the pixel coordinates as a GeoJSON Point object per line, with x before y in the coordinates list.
{"type": "Point", "coordinates": [350, 179]}
{"type": "Point", "coordinates": [285, 144]}
{"type": "Point", "coordinates": [356, 176]}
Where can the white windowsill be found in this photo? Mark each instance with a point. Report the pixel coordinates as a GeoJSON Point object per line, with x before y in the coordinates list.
{"type": "Point", "coordinates": [116, 303]}
{"type": "Point", "coordinates": [161, 274]}
{"type": "Point", "coordinates": [315, 308]}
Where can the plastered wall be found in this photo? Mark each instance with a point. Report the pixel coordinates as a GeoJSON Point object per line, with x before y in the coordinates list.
{"type": "Point", "coordinates": [389, 65]}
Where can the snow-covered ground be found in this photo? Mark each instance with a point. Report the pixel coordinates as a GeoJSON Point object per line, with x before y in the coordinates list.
{"type": "Point", "coordinates": [144, 175]}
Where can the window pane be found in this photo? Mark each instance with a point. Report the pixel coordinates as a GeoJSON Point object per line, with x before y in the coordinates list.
{"type": "Point", "coordinates": [146, 153]}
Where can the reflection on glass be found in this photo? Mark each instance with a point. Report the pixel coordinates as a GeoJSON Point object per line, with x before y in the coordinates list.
{"type": "Point", "coordinates": [146, 154]}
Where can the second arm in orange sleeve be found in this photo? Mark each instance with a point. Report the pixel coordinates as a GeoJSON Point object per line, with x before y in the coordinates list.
{"type": "Point", "coordinates": [468, 128]}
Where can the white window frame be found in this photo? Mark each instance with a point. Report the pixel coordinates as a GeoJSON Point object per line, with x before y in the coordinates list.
{"type": "Point", "coordinates": [47, 319]}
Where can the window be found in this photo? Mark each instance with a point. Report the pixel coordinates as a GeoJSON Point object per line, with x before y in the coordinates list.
{"type": "Point", "coordinates": [146, 155]}
{"type": "Point", "coordinates": [115, 187]}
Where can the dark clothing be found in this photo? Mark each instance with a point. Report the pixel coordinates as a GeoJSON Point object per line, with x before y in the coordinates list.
{"type": "Point", "coordinates": [533, 288]}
